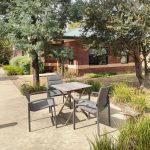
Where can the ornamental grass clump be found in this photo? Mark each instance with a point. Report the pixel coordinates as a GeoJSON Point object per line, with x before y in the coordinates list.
{"type": "Point", "coordinates": [122, 93]}
{"type": "Point", "coordinates": [32, 89]}
{"type": "Point", "coordinates": [126, 95]}
{"type": "Point", "coordinates": [139, 102]}
{"type": "Point", "coordinates": [135, 136]}
{"type": "Point", "coordinates": [102, 143]}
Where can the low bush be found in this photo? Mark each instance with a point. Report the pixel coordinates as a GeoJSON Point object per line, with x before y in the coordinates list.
{"type": "Point", "coordinates": [25, 65]}
{"type": "Point", "coordinates": [96, 75]}
{"type": "Point", "coordinates": [33, 89]}
{"type": "Point", "coordinates": [24, 62]}
{"type": "Point", "coordinates": [11, 70]}
{"type": "Point", "coordinates": [95, 86]}
{"type": "Point", "coordinates": [16, 60]}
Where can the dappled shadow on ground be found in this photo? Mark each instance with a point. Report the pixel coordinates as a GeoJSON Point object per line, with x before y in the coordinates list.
{"type": "Point", "coordinates": [4, 78]}
{"type": "Point", "coordinates": [116, 122]}
{"type": "Point", "coordinates": [8, 125]}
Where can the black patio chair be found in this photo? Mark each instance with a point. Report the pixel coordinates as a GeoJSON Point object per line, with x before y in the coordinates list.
{"type": "Point", "coordinates": [52, 92]}
{"type": "Point", "coordinates": [94, 107]}
{"type": "Point", "coordinates": [39, 105]}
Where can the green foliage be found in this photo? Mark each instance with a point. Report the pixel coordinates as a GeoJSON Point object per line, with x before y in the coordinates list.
{"type": "Point", "coordinates": [96, 75]}
{"type": "Point", "coordinates": [127, 95]}
{"type": "Point", "coordinates": [122, 93]}
{"type": "Point", "coordinates": [35, 88]}
{"type": "Point", "coordinates": [11, 70]}
{"type": "Point", "coordinates": [30, 24]}
{"type": "Point", "coordinates": [69, 74]}
{"type": "Point", "coordinates": [22, 62]}
{"type": "Point", "coordinates": [62, 54]}
{"type": "Point", "coordinates": [15, 61]}
{"type": "Point", "coordinates": [139, 102]}
{"type": "Point", "coordinates": [135, 135]}
{"type": "Point", "coordinates": [95, 86]}
{"type": "Point", "coordinates": [5, 52]}
{"type": "Point", "coordinates": [41, 67]}
{"type": "Point", "coordinates": [102, 143]}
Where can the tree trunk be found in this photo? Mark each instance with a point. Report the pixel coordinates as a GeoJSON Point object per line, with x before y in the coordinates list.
{"type": "Point", "coordinates": [146, 72]}
{"type": "Point", "coordinates": [138, 64]}
{"type": "Point", "coordinates": [62, 68]}
{"type": "Point", "coordinates": [35, 69]}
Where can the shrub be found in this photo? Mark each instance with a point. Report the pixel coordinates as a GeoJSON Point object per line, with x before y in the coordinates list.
{"type": "Point", "coordinates": [95, 86]}
{"type": "Point", "coordinates": [16, 60]}
{"type": "Point", "coordinates": [33, 89]}
{"type": "Point", "coordinates": [11, 70]}
{"type": "Point", "coordinates": [25, 65]}
{"type": "Point", "coordinates": [7, 67]}
{"type": "Point", "coordinates": [5, 52]}
{"type": "Point", "coordinates": [23, 62]}
{"type": "Point", "coordinates": [68, 74]}
{"type": "Point", "coordinates": [96, 75]}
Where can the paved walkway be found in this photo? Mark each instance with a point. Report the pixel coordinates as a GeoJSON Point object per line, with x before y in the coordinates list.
{"type": "Point", "coordinates": [14, 133]}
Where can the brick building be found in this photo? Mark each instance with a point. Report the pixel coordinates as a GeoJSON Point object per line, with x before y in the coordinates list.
{"type": "Point", "coordinates": [87, 61]}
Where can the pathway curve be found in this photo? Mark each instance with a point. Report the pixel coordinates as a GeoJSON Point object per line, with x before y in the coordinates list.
{"type": "Point", "coordinates": [14, 133]}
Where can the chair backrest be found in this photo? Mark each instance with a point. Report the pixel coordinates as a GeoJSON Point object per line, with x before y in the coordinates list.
{"type": "Point", "coordinates": [103, 97]}
{"type": "Point", "coordinates": [53, 79]}
{"type": "Point", "coordinates": [26, 92]}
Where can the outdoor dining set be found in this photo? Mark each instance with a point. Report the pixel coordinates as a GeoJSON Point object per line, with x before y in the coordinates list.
{"type": "Point", "coordinates": [56, 87]}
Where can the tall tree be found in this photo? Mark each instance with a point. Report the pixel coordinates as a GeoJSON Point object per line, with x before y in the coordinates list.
{"type": "Point", "coordinates": [62, 54]}
{"type": "Point", "coordinates": [122, 23]}
{"type": "Point", "coordinates": [131, 25]}
{"type": "Point", "coordinates": [32, 23]}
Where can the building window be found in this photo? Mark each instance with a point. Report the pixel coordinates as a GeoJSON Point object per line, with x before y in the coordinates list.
{"type": "Point", "coordinates": [71, 61]}
{"type": "Point", "coordinates": [124, 57]}
{"type": "Point", "coordinates": [98, 57]}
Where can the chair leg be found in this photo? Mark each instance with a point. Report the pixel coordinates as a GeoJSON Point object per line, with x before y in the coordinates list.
{"type": "Point", "coordinates": [98, 128]}
{"type": "Point", "coordinates": [63, 98]}
{"type": "Point", "coordinates": [50, 110]}
{"type": "Point", "coordinates": [74, 110]}
{"type": "Point", "coordinates": [55, 116]}
{"type": "Point", "coordinates": [109, 119]}
{"type": "Point", "coordinates": [88, 115]}
{"type": "Point", "coordinates": [29, 119]}
{"type": "Point", "coordinates": [70, 101]}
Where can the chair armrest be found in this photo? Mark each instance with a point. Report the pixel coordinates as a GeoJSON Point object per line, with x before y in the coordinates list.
{"type": "Point", "coordinates": [40, 92]}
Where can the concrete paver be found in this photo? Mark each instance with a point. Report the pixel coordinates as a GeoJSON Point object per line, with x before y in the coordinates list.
{"type": "Point", "coordinates": [14, 133]}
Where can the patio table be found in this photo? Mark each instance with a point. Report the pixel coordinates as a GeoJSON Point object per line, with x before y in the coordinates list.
{"type": "Point", "coordinates": [69, 88]}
